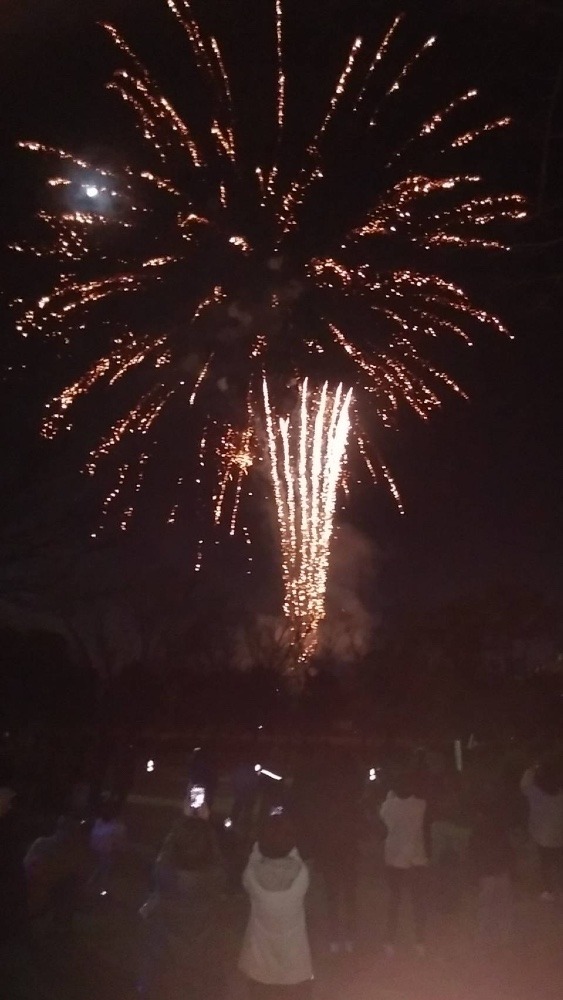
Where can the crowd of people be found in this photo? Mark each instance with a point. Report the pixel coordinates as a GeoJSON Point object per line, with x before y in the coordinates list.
{"type": "Point", "coordinates": [434, 835]}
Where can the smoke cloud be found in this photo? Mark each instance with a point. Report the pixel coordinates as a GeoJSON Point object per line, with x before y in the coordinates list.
{"type": "Point", "coordinates": [348, 630]}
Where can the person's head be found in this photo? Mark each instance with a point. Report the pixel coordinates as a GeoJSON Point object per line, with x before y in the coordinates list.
{"type": "Point", "coordinates": [405, 784]}
{"type": "Point", "coordinates": [190, 845]}
{"type": "Point", "coordinates": [276, 838]}
{"type": "Point", "coordinates": [108, 811]}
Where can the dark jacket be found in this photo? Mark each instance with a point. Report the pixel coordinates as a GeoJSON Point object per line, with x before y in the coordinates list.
{"type": "Point", "coordinates": [490, 849]}
{"type": "Point", "coordinates": [184, 906]}
{"type": "Point", "coordinates": [327, 805]}
{"type": "Point", "coordinates": [182, 954]}
{"type": "Point", "coordinates": [187, 906]}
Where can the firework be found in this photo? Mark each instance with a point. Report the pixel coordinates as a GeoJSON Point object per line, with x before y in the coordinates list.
{"type": "Point", "coordinates": [306, 463]}
{"type": "Point", "coordinates": [202, 272]}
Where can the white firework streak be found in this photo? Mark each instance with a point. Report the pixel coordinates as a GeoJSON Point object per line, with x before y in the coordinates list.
{"type": "Point", "coordinates": [306, 465]}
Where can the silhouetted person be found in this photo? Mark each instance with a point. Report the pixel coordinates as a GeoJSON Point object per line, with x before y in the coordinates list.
{"type": "Point", "coordinates": [180, 941]}
{"type": "Point", "coordinates": [543, 787]}
{"type": "Point", "coordinates": [108, 839]}
{"type": "Point", "coordinates": [333, 820]}
{"type": "Point", "coordinates": [245, 784]}
{"type": "Point", "coordinates": [275, 955]}
{"type": "Point", "coordinates": [491, 857]}
{"type": "Point", "coordinates": [406, 858]}
{"type": "Point", "coordinates": [19, 977]}
{"type": "Point", "coordinates": [13, 888]}
{"type": "Point", "coordinates": [56, 868]}
{"type": "Point", "coordinates": [450, 831]}
{"type": "Point", "coordinates": [121, 773]}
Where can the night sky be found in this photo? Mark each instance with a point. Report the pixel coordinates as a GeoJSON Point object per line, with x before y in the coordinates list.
{"type": "Point", "coordinates": [481, 482]}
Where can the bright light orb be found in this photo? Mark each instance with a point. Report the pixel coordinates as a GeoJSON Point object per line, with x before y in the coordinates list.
{"type": "Point", "coordinates": [92, 191]}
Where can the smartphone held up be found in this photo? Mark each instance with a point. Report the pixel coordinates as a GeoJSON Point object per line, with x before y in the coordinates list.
{"type": "Point", "coordinates": [197, 796]}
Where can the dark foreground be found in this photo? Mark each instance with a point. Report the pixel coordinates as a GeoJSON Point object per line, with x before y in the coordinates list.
{"type": "Point", "coordinates": [99, 960]}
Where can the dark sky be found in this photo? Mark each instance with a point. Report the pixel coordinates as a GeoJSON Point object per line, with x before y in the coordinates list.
{"type": "Point", "coordinates": [482, 482]}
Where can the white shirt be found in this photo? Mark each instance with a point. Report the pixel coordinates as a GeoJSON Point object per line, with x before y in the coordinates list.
{"type": "Point", "coordinates": [546, 812]}
{"type": "Point", "coordinates": [276, 947]}
{"type": "Point", "coordinates": [404, 819]}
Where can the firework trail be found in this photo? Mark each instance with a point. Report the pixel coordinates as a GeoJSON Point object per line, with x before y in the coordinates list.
{"type": "Point", "coordinates": [306, 463]}
{"type": "Point", "coordinates": [202, 273]}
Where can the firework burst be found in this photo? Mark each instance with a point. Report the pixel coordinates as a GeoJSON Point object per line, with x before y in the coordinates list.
{"type": "Point", "coordinates": [206, 273]}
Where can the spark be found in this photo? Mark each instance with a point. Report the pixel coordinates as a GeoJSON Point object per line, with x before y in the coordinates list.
{"type": "Point", "coordinates": [438, 117]}
{"type": "Point", "coordinates": [467, 137]}
{"type": "Point", "coordinates": [199, 380]}
{"type": "Point", "coordinates": [63, 155]}
{"type": "Point", "coordinates": [377, 58]}
{"type": "Point", "coordinates": [174, 509]}
{"type": "Point", "coordinates": [239, 241]}
{"type": "Point", "coordinates": [410, 64]}
{"type": "Point", "coordinates": [281, 76]}
{"type": "Point", "coordinates": [236, 456]}
{"type": "Point", "coordinates": [114, 366]}
{"type": "Point", "coordinates": [339, 89]}
{"type": "Point", "coordinates": [294, 198]}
